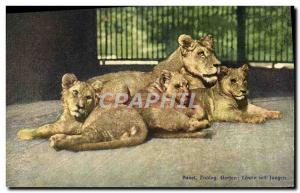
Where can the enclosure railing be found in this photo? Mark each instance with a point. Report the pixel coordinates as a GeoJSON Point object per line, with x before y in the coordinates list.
{"type": "Point", "coordinates": [245, 34]}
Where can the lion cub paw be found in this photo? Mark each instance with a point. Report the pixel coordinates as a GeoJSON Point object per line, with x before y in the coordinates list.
{"type": "Point", "coordinates": [196, 124]}
{"type": "Point", "coordinates": [57, 141]}
{"type": "Point", "coordinates": [208, 134]}
{"type": "Point", "coordinates": [25, 134]}
{"type": "Point", "coordinates": [274, 115]}
{"type": "Point", "coordinates": [255, 119]}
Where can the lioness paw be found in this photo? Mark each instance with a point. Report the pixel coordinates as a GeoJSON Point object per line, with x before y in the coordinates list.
{"type": "Point", "coordinates": [25, 134]}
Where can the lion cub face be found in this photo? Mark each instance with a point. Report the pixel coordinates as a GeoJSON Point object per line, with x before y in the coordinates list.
{"type": "Point", "coordinates": [199, 58]}
{"type": "Point", "coordinates": [174, 83]}
{"type": "Point", "coordinates": [79, 97]}
{"type": "Point", "coordinates": [233, 81]}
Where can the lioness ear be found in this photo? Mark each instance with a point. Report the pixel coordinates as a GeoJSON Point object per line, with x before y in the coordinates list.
{"type": "Point", "coordinates": [245, 68]}
{"type": "Point", "coordinates": [165, 76]}
{"type": "Point", "coordinates": [97, 85]}
{"type": "Point", "coordinates": [68, 80]}
{"type": "Point", "coordinates": [207, 41]}
{"type": "Point", "coordinates": [185, 41]}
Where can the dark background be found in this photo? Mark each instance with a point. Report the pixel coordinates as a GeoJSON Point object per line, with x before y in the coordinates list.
{"type": "Point", "coordinates": [42, 46]}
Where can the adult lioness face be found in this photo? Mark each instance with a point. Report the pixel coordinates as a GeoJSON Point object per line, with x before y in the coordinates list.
{"type": "Point", "coordinates": [233, 81]}
{"type": "Point", "coordinates": [199, 58]}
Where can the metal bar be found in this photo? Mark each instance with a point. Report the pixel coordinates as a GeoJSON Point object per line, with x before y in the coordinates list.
{"type": "Point", "coordinates": [287, 32]}
{"type": "Point", "coordinates": [160, 11]}
{"type": "Point", "coordinates": [163, 24]}
{"type": "Point", "coordinates": [147, 32]}
{"type": "Point", "coordinates": [116, 32]}
{"type": "Point", "coordinates": [276, 37]}
{"type": "Point", "coordinates": [270, 19]}
{"type": "Point", "coordinates": [247, 31]}
{"type": "Point", "coordinates": [152, 32]}
{"type": "Point", "coordinates": [100, 33]}
{"type": "Point", "coordinates": [234, 19]}
{"type": "Point", "coordinates": [202, 18]}
{"type": "Point", "coordinates": [198, 21]}
{"type": "Point", "coordinates": [173, 28]}
{"type": "Point", "coordinates": [168, 30]}
{"type": "Point", "coordinates": [126, 32]}
{"type": "Point", "coordinates": [229, 42]}
{"type": "Point", "coordinates": [142, 30]}
{"type": "Point", "coordinates": [260, 32]}
{"type": "Point", "coordinates": [131, 30]}
{"type": "Point", "coordinates": [121, 11]}
{"type": "Point", "coordinates": [226, 39]}
{"type": "Point", "coordinates": [253, 37]}
{"type": "Point", "coordinates": [106, 34]}
{"type": "Point", "coordinates": [178, 17]}
{"type": "Point", "coordinates": [193, 18]}
{"type": "Point", "coordinates": [282, 27]}
{"type": "Point", "coordinates": [220, 38]}
{"type": "Point", "coordinates": [241, 33]}
{"type": "Point", "coordinates": [110, 29]}
{"type": "Point", "coordinates": [157, 31]}
{"type": "Point", "coordinates": [264, 11]}
{"type": "Point", "coordinates": [137, 32]}
{"type": "Point", "coordinates": [293, 31]}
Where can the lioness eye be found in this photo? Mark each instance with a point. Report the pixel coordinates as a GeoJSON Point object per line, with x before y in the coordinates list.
{"type": "Point", "coordinates": [233, 80]}
{"type": "Point", "coordinates": [177, 86]}
{"type": "Point", "coordinates": [75, 92]}
{"type": "Point", "coordinates": [201, 54]}
{"type": "Point", "coordinates": [88, 97]}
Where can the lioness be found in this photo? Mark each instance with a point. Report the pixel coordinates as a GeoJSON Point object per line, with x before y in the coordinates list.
{"type": "Point", "coordinates": [196, 58]}
{"type": "Point", "coordinates": [227, 100]}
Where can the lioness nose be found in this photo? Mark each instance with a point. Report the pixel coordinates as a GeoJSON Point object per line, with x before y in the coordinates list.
{"type": "Point", "coordinates": [216, 62]}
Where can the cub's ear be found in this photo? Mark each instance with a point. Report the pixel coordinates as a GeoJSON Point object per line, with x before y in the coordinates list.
{"type": "Point", "coordinates": [245, 68]}
{"type": "Point", "coordinates": [223, 70]}
{"type": "Point", "coordinates": [68, 80]}
{"type": "Point", "coordinates": [97, 85]}
{"type": "Point", "coordinates": [165, 77]}
{"type": "Point", "coordinates": [207, 41]}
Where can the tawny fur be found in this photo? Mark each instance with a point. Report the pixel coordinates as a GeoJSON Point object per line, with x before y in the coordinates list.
{"type": "Point", "coordinates": [227, 100]}
{"type": "Point", "coordinates": [195, 57]}
{"type": "Point", "coordinates": [83, 126]}
{"type": "Point", "coordinates": [171, 121]}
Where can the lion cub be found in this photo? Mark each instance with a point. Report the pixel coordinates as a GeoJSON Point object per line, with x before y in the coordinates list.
{"type": "Point", "coordinates": [168, 110]}
{"type": "Point", "coordinates": [227, 100]}
{"type": "Point", "coordinates": [85, 126]}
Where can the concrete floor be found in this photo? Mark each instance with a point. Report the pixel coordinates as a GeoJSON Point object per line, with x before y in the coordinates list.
{"type": "Point", "coordinates": [237, 150]}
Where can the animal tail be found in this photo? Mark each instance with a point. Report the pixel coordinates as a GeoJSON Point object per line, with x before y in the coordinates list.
{"type": "Point", "coordinates": [130, 141]}
{"type": "Point", "coordinates": [207, 134]}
